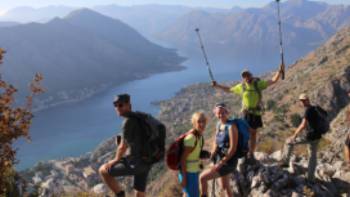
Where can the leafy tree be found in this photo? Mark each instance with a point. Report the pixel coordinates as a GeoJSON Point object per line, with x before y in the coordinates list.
{"type": "Point", "coordinates": [15, 122]}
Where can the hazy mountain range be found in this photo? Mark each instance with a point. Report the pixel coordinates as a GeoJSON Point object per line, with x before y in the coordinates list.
{"type": "Point", "coordinates": [251, 35]}
{"type": "Point", "coordinates": [80, 51]}
{"type": "Point", "coordinates": [237, 35]}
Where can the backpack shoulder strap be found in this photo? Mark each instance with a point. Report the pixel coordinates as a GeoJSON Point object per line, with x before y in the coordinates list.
{"type": "Point", "coordinates": [244, 86]}
{"type": "Point", "coordinates": [257, 89]}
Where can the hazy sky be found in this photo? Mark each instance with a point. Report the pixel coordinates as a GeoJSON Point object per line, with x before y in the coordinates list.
{"type": "Point", "coordinates": [7, 4]}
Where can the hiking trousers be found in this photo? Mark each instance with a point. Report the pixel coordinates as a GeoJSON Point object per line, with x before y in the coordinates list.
{"type": "Point", "coordinates": [312, 149]}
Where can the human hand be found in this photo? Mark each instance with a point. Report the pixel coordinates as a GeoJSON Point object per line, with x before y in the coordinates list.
{"type": "Point", "coordinates": [110, 164]}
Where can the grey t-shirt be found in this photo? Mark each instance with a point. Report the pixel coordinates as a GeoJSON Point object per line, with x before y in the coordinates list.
{"type": "Point", "coordinates": [132, 134]}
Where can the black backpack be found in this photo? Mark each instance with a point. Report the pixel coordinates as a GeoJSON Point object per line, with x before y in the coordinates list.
{"type": "Point", "coordinates": [323, 125]}
{"type": "Point", "coordinates": [154, 134]}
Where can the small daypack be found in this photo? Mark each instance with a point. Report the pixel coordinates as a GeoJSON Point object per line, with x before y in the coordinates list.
{"type": "Point", "coordinates": [243, 137]}
{"type": "Point", "coordinates": [174, 153]}
{"type": "Point", "coordinates": [154, 135]}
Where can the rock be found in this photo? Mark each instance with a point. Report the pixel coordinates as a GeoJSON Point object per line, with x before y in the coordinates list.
{"type": "Point", "coordinates": [262, 157]}
{"type": "Point", "coordinates": [37, 178]}
{"type": "Point", "coordinates": [100, 189]}
{"type": "Point", "coordinates": [276, 155]}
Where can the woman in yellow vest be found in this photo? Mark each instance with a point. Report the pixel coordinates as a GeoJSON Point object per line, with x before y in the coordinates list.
{"type": "Point", "coordinates": [190, 159]}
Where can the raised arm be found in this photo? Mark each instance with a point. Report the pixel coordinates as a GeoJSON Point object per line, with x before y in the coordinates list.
{"type": "Point", "coordinates": [222, 87]}
{"type": "Point", "coordinates": [275, 78]}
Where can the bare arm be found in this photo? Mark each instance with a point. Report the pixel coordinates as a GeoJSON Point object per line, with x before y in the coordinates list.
{"type": "Point", "coordinates": [121, 150]}
{"type": "Point", "coordinates": [222, 87]}
{"type": "Point", "coordinates": [275, 78]}
{"type": "Point", "coordinates": [301, 127]}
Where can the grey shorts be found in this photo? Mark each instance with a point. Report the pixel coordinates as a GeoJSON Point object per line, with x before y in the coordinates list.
{"type": "Point", "coordinates": [228, 168]}
{"type": "Point", "coordinates": [138, 169]}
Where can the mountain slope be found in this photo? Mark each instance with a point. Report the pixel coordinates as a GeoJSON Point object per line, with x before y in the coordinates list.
{"type": "Point", "coordinates": [82, 51]}
{"type": "Point", "coordinates": [251, 35]}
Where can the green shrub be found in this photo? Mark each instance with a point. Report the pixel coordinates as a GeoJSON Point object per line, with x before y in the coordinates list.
{"type": "Point", "coordinates": [295, 119]}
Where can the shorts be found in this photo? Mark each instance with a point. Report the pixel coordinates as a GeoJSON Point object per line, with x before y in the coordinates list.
{"type": "Point", "coordinates": [254, 121]}
{"type": "Point", "coordinates": [138, 169]}
{"type": "Point", "coordinates": [228, 167]}
{"type": "Point", "coordinates": [192, 185]}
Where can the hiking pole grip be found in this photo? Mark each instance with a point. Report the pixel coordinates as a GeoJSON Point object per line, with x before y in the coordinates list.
{"type": "Point", "coordinates": [282, 67]}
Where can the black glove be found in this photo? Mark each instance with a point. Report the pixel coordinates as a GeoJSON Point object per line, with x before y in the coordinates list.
{"type": "Point", "coordinates": [204, 154]}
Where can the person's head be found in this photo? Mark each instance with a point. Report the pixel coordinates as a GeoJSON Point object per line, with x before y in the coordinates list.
{"type": "Point", "coordinates": [304, 99]}
{"type": "Point", "coordinates": [199, 121]}
{"type": "Point", "coordinates": [122, 104]}
{"type": "Point", "coordinates": [221, 112]}
{"type": "Point", "coordinates": [247, 76]}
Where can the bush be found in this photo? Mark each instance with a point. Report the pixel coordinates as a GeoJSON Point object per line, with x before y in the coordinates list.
{"type": "Point", "coordinates": [15, 122]}
{"type": "Point", "coordinates": [296, 119]}
{"type": "Point", "coordinates": [271, 105]}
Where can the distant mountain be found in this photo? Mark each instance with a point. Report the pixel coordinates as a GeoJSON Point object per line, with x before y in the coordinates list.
{"type": "Point", "coordinates": [152, 19]}
{"type": "Point", "coordinates": [29, 14]}
{"type": "Point", "coordinates": [250, 36]}
{"type": "Point", "coordinates": [147, 19]}
{"type": "Point", "coordinates": [80, 53]}
{"type": "Point", "coordinates": [8, 24]}
{"type": "Point", "coordinates": [159, 17]}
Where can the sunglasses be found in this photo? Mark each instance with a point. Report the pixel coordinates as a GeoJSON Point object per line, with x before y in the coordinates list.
{"type": "Point", "coordinates": [116, 104]}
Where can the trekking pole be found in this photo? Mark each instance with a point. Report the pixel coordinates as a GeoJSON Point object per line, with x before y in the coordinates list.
{"type": "Point", "coordinates": [281, 39]}
{"type": "Point", "coordinates": [205, 55]}
{"type": "Point", "coordinates": [213, 186]}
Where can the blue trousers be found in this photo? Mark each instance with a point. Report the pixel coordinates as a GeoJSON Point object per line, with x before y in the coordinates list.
{"type": "Point", "coordinates": [192, 185]}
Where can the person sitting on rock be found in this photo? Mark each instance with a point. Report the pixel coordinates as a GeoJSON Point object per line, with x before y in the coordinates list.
{"type": "Point", "coordinates": [311, 137]}
{"type": "Point", "coordinates": [225, 146]}
{"type": "Point", "coordinates": [132, 164]}
{"type": "Point", "coordinates": [190, 159]}
{"type": "Point", "coordinates": [251, 92]}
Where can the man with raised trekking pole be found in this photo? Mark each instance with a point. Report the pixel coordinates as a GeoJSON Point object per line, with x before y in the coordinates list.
{"type": "Point", "coordinates": [250, 89]}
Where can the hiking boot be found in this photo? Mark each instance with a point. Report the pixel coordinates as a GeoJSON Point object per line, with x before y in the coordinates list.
{"type": "Point", "coordinates": [120, 194]}
{"type": "Point", "coordinates": [251, 160]}
{"type": "Point", "coordinates": [283, 164]}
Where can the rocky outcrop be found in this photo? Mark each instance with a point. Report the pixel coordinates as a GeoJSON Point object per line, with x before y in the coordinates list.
{"type": "Point", "coordinates": [266, 179]}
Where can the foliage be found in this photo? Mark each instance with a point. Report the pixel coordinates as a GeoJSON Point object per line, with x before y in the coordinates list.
{"type": "Point", "coordinates": [296, 119]}
{"type": "Point", "coordinates": [15, 122]}
{"type": "Point", "coordinates": [271, 105]}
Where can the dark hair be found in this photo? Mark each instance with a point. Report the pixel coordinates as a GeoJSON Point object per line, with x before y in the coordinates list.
{"type": "Point", "coordinates": [122, 98]}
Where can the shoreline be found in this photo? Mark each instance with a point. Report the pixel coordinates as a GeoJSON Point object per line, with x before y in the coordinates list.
{"type": "Point", "coordinates": [94, 91]}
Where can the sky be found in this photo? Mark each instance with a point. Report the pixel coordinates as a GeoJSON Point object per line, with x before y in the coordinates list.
{"type": "Point", "coordinates": [8, 4]}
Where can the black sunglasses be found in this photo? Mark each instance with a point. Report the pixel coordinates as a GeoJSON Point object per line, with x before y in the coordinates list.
{"type": "Point", "coordinates": [116, 104]}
